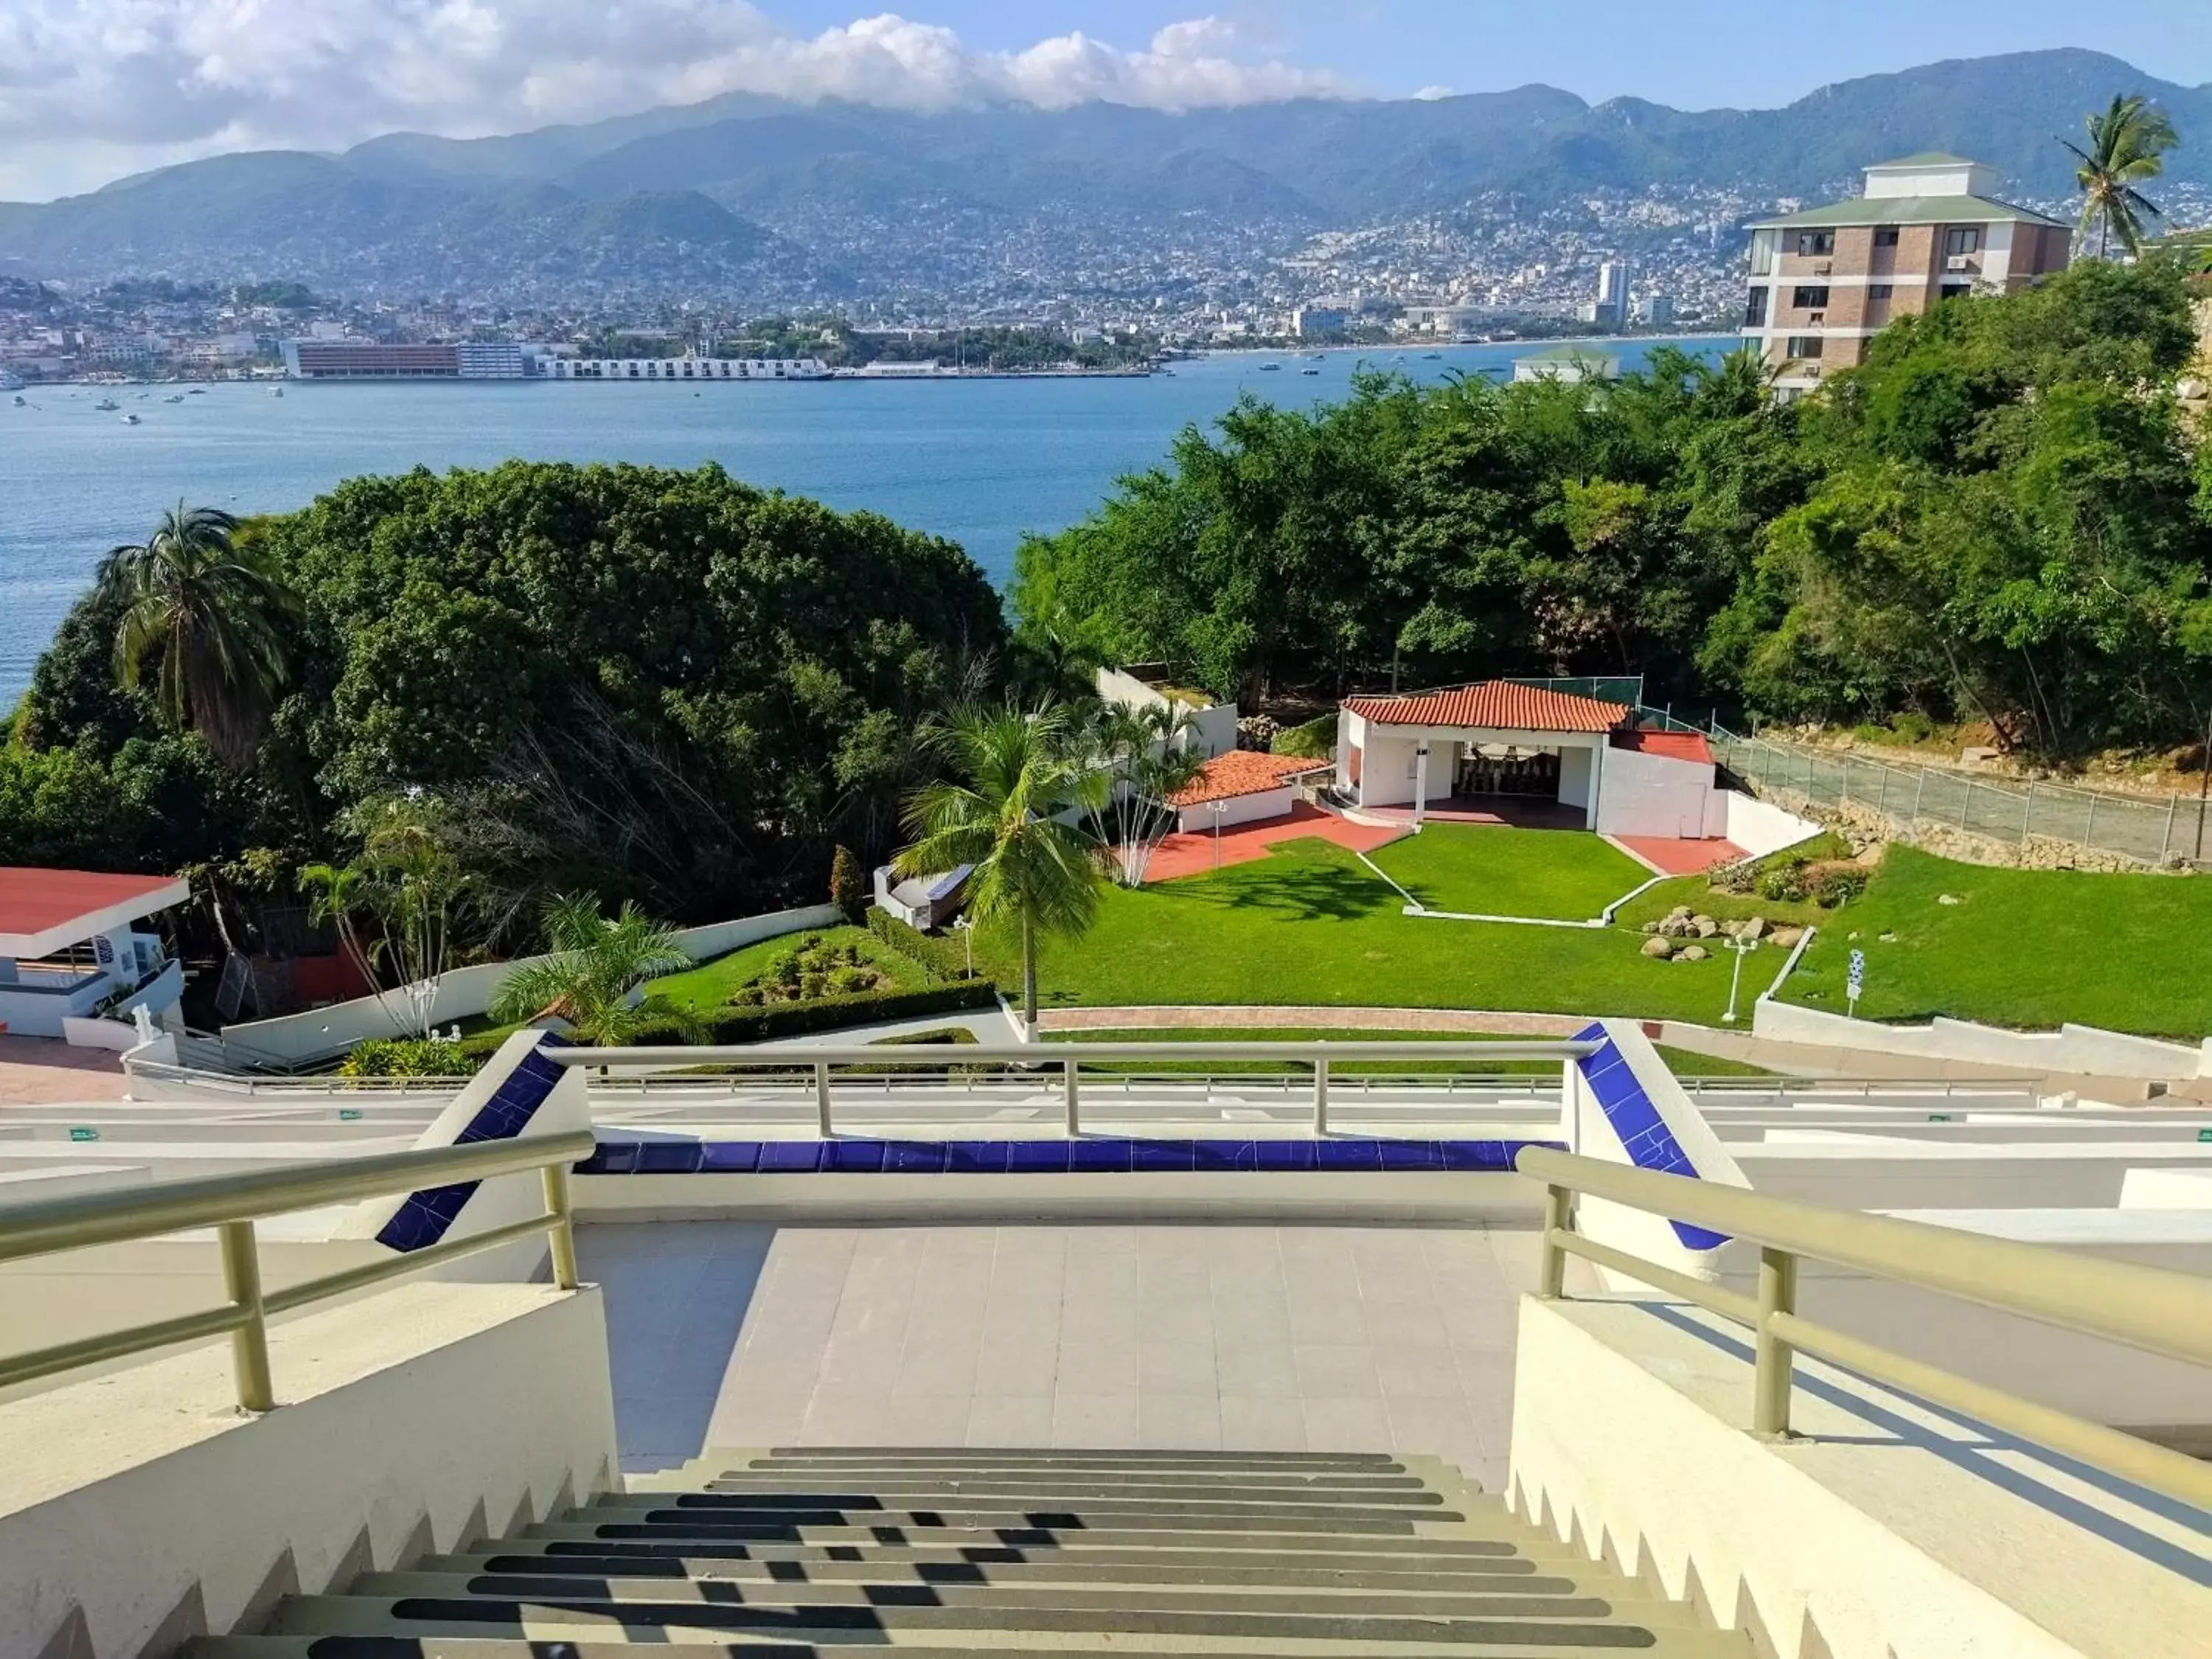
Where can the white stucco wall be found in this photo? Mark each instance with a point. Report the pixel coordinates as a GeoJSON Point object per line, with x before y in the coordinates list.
{"type": "Point", "coordinates": [1649, 795]}
{"type": "Point", "coordinates": [1577, 773]}
{"type": "Point", "coordinates": [1238, 809]}
{"type": "Point", "coordinates": [465, 992]}
{"type": "Point", "coordinates": [2085, 1049]}
{"type": "Point", "coordinates": [143, 1505]}
{"type": "Point", "coordinates": [1760, 827]}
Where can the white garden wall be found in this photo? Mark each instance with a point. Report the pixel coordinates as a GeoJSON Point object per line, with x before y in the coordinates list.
{"type": "Point", "coordinates": [2084, 1048]}
{"type": "Point", "coordinates": [1652, 794]}
{"type": "Point", "coordinates": [465, 992]}
{"type": "Point", "coordinates": [1255, 808]}
{"type": "Point", "coordinates": [1760, 827]}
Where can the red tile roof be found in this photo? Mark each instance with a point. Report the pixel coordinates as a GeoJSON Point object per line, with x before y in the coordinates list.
{"type": "Point", "coordinates": [1242, 772]}
{"type": "Point", "coordinates": [37, 905]}
{"type": "Point", "coordinates": [1498, 704]}
{"type": "Point", "coordinates": [1680, 745]}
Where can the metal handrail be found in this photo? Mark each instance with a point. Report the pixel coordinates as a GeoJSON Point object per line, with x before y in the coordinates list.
{"type": "Point", "coordinates": [2153, 1308]}
{"type": "Point", "coordinates": [232, 1203]}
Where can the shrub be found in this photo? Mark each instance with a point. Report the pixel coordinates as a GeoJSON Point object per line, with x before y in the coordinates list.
{"type": "Point", "coordinates": [941, 956]}
{"type": "Point", "coordinates": [1784, 882]}
{"type": "Point", "coordinates": [1741, 876]}
{"type": "Point", "coordinates": [848, 888]}
{"type": "Point", "coordinates": [733, 1023]}
{"type": "Point", "coordinates": [1315, 740]}
{"type": "Point", "coordinates": [410, 1057]}
{"type": "Point", "coordinates": [1833, 884]}
{"type": "Point", "coordinates": [1912, 725]}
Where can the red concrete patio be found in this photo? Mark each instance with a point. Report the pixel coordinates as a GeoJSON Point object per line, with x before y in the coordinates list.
{"type": "Point", "coordinates": [1194, 853]}
{"type": "Point", "coordinates": [1672, 856]}
{"type": "Point", "coordinates": [1515, 811]}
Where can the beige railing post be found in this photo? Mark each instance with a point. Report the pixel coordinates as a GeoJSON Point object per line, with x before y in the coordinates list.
{"type": "Point", "coordinates": [1552, 1263]}
{"type": "Point", "coordinates": [249, 1343]}
{"type": "Point", "coordinates": [1771, 1378]}
{"type": "Point", "coordinates": [822, 1098]}
{"type": "Point", "coordinates": [1068, 1089]}
{"type": "Point", "coordinates": [562, 1236]}
{"type": "Point", "coordinates": [1321, 1096]}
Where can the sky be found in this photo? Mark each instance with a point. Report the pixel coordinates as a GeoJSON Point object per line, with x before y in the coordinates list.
{"type": "Point", "coordinates": [94, 89]}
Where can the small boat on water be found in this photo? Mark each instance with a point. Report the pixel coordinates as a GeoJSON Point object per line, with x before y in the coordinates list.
{"type": "Point", "coordinates": [174, 398]}
{"type": "Point", "coordinates": [1271, 369]}
{"type": "Point", "coordinates": [276, 390]}
{"type": "Point", "coordinates": [1308, 371]}
{"type": "Point", "coordinates": [107, 405]}
{"type": "Point", "coordinates": [130, 420]}
{"type": "Point", "coordinates": [1432, 356]}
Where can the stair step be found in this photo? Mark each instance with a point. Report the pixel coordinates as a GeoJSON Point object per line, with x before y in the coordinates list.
{"type": "Point", "coordinates": [1170, 1531]}
{"type": "Point", "coordinates": [1097, 1567]}
{"type": "Point", "coordinates": [847, 1508]}
{"type": "Point", "coordinates": [1665, 1644]}
{"type": "Point", "coordinates": [1073, 1457]}
{"type": "Point", "coordinates": [1124, 1484]}
{"type": "Point", "coordinates": [685, 1623]}
{"type": "Point", "coordinates": [1530, 1598]}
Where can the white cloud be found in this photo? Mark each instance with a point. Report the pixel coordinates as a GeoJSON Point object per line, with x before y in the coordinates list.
{"type": "Point", "coordinates": [90, 88]}
{"type": "Point", "coordinates": [1429, 94]}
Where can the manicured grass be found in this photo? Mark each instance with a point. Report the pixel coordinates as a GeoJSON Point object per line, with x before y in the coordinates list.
{"type": "Point", "coordinates": [710, 985]}
{"type": "Point", "coordinates": [1681, 1061]}
{"type": "Point", "coordinates": [2025, 948]}
{"type": "Point", "coordinates": [1311, 924]}
{"type": "Point", "coordinates": [1693, 891]}
{"type": "Point", "coordinates": [1494, 870]}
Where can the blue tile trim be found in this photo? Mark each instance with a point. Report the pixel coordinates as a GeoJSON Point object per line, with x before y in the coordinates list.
{"type": "Point", "coordinates": [422, 1220]}
{"type": "Point", "coordinates": [1644, 1136]}
{"type": "Point", "coordinates": [1089, 1155]}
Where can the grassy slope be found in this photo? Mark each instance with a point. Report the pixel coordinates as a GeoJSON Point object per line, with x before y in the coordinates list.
{"type": "Point", "coordinates": [708, 985]}
{"type": "Point", "coordinates": [2031, 948]}
{"type": "Point", "coordinates": [1680, 1060]}
{"type": "Point", "coordinates": [1494, 870]}
{"type": "Point", "coordinates": [1309, 924]}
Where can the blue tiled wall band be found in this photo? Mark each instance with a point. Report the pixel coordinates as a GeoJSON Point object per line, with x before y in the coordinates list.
{"type": "Point", "coordinates": [1650, 1144]}
{"type": "Point", "coordinates": [422, 1220]}
{"type": "Point", "coordinates": [1090, 1155]}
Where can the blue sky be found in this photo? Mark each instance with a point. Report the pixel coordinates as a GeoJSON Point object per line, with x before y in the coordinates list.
{"type": "Point", "coordinates": [1694, 54]}
{"type": "Point", "coordinates": [124, 85]}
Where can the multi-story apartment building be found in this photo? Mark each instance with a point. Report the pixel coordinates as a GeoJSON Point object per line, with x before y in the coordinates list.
{"type": "Point", "coordinates": [1826, 280]}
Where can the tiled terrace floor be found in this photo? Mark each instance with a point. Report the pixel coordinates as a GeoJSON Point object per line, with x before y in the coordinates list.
{"type": "Point", "coordinates": [1293, 1337]}
{"type": "Point", "coordinates": [1195, 852]}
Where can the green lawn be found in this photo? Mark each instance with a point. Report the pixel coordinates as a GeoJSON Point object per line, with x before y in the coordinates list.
{"type": "Point", "coordinates": [1311, 924]}
{"type": "Point", "coordinates": [2027, 948]}
{"type": "Point", "coordinates": [1493, 870]}
{"type": "Point", "coordinates": [1681, 1061]}
{"type": "Point", "coordinates": [708, 985]}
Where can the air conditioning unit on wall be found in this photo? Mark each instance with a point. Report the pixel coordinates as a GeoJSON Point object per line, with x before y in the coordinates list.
{"type": "Point", "coordinates": [1959, 262]}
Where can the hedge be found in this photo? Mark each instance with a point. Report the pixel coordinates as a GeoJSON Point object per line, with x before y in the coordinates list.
{"type": "Point", "coordinates": [941, 956]}
{"type": "Point", "coordinates": [783, 1019]}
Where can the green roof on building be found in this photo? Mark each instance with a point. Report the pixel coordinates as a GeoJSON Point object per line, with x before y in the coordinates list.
{"type": "Point", "coordinates": [1905, 211]}
{"type": "Point", "coordinates": [1930, 158]}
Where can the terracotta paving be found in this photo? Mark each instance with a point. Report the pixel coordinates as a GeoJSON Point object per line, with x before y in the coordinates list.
{"type": "Point", "coordinates": [1517, 812]}
{"type": "Point", "coordinates": [1673, 856]}
{"type": "Point", "coordinates": [1194, 853]}
{"type": "Point", "coordinates": [40, 1071]}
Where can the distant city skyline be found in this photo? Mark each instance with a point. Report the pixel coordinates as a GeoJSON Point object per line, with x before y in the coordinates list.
{"type": "Point", "coordinates": [127, 86]}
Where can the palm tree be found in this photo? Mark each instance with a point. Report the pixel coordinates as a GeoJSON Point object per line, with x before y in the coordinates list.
{"type": "Point", "coordinates": [1016, 769]}
{"type": "Point", "coordinates": [591, 978]}
{"type": "Point", "coordinates": [201, 605]}
{"type": "Point", "coordinates": [2127, 144]}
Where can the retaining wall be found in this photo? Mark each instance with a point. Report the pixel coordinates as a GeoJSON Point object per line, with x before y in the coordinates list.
{"type": "Point", "coordinates": [2085, 1049]}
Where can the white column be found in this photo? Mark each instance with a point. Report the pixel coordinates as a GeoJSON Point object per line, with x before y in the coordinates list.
{"type": "Point", "coordinates": [1420, 782]}
{"type": "Point", "coordinates": [1598, 750]}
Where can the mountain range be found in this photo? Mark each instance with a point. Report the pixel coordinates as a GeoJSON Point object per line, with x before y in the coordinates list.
{"type": "Point", "coordinates": [727, 190]}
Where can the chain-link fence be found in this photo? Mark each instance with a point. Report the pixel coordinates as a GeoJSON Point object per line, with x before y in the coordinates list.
{"type": "Point", "coordinates": [2148, 830]}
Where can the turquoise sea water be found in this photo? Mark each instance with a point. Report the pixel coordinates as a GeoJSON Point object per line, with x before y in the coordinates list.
{"type": "Point", "coordinates": [979, 461]}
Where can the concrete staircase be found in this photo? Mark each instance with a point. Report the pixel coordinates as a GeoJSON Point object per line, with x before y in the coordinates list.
{"type": "Point", "coordinates": [938, 1553]}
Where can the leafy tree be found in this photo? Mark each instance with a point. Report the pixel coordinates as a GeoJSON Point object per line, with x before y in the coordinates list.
{"type": "Point", "coordinates": [1015, 772]}
{"type": "Point", "coordinates": [408, 884]}
{"type": "Point", "coordinates": [2127, 142]}
{"type": "Point", "coordinates": [592, 978]}
{"type": "Point", "coordinates": [849, 887]}
{"type": "Point", "coordinates": [1140, 756]}
{"type": "Point", "coordinates": [200, 603]}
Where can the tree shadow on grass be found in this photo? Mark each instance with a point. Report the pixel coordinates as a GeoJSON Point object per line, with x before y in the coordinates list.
{"type": "Point", "coordinates": [1303, 890]}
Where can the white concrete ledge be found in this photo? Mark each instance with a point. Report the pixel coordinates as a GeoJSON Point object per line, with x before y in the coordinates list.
{"type": "Point", "coordinates": [141, 1507]}
{"type": "Point", "coordinates": [1889, 1531]}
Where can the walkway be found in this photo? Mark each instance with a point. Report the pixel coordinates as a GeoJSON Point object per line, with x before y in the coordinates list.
{"type": "Point", "coordinates": [47, 1071]}
{"type": "Point", "coordinates": [1672, 855]}
{"type": "Point", "coordinates": [1196, 853]}
{"type": "Point", "coordinates": [1242, 1338]}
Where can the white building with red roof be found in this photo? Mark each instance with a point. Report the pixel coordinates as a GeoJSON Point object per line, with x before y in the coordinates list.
{"type": "Point", "coordinates": [69, 951]}
{"type": "Point", "coordinates": [1531, 753]}
{"type": "Point", "coordinates": [1242, 785]}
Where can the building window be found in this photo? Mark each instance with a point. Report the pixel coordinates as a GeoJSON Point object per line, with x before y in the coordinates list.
{"type": "Point", "coordinates": [1880, 290]}
{"type": "Point", "coordinates": [1816, 242]}
{"type": "Point", "coordinates": [1962, 238]}
{"type": "Point", "coordinates": [1814, 298]}
{"type": "Point", "coordinates": [1754, 308]}
{"type": "Point", "coordinates": [1885, 236]}
{"type": "Point", "coordinates": [1955, 291]}
{"type": "Point", "coordinates": [1803, 345]}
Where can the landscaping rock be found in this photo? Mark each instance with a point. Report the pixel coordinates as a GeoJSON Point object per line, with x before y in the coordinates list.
{"type": "Point", "coordinates": [1947, 898]}
{"type": "Point", "coordinates": [1755, 928]}
{"type": "Point", "coordinates": [1692, 953]}
{"type": "Point", "coordinates": [1704, 926]}
{"type": "Point", "coordinates": [1788, 937]}
{"type": "Point", "coordinates": [1660, 946]}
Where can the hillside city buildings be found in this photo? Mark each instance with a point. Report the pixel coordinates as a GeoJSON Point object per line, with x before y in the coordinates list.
{"type": "Point", "coordinates": [1928, 228]}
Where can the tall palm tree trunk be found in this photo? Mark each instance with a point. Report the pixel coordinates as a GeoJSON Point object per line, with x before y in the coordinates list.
{"type": "Point", "coordinates": [1028, 974]}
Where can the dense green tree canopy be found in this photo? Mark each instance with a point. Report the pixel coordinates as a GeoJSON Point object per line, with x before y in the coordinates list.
{"type": "Point", "coordinates": [660, 685]}
{"type": "Point", "coordinates": [1997, 517]}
